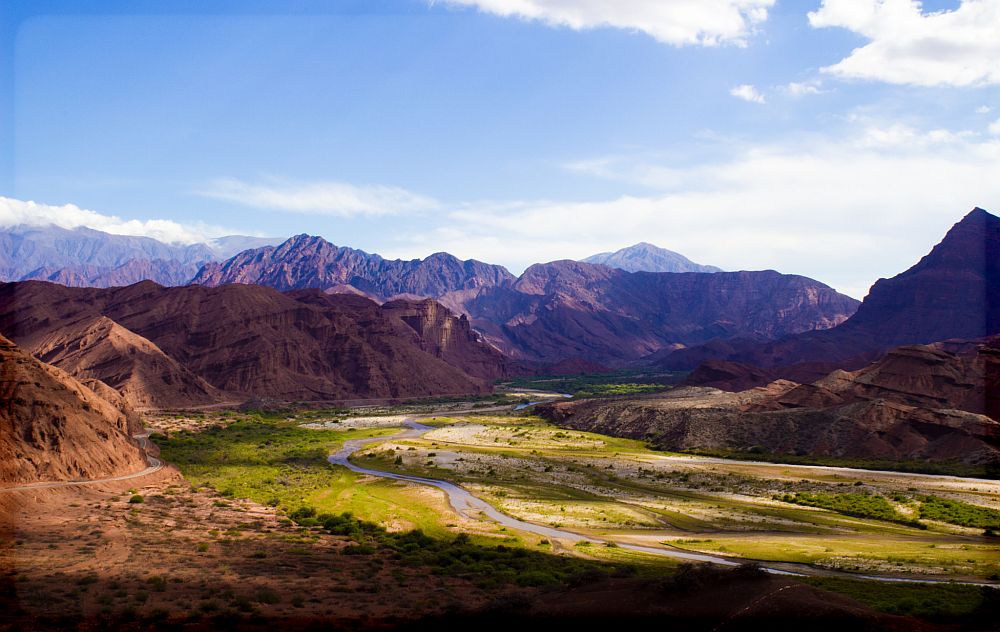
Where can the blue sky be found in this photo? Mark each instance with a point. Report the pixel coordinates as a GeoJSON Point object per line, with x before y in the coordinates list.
{"type": "Point", "coordinates": [837, 139]}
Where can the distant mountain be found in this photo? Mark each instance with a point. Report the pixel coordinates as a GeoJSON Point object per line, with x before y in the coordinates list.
{"type": "Point", "coordinates": [573, 310]}
{"type": "Point", "coordinates": [953, 292]}
{"type": "Point", "coordinates": [170, 272]}
{"type": "Point", "coordinates": [645, 257]}
{"type": "Point", "coordinates": [252, 341]}
{"type": "Point", "coordinates": [306, 261]}
{"type": "Point", "coordinates": [52, 427]}
{"type": "Point", "coordinates": [84, 257]}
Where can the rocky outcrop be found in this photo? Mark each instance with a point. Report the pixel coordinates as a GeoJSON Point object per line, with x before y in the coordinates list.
{"type": "Point", "coordinates": [53, 428]}
{"type": "Point", "coordinates": [645, 257]}
{"type": "Point", "coordinates": [917, 403]}
{"type": "Point", "coordinates": [255, 341]}
{"type": "Point", "coordinates": [308, 262]}
{"type": "Point", "coordinates": [708, 420]}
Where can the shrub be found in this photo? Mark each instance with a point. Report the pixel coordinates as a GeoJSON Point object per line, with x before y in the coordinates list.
{"type": "Point", "coordinates": [136, 499]}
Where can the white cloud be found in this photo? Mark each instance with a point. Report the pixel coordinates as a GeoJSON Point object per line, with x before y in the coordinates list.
{"type": "Point", "coordinates": [994, 127]}
{"type": "Point", "coordinates": [907, 46]}
{"type": "Point", "coordinates": [18, 212]}
{"type": "Point", "coordinates": [802, 89]}
{"type": "Point", "coordinates": [984, 109]}
{"type": "Point", "coordinates": [748, 93]}
{"type": "Point", "coordinates": [321, 198]}
{"type": "Point", "coordinates": [677, 22]}
{"type": "Point", "coordinates": [844, 211]}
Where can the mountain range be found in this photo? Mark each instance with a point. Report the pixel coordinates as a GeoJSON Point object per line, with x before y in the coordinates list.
{"type": "Point", "coordinates": [83, 257]}
{"type": "Point", "coordinates": [308, 320]}
{"type": "Point", "coordinates": [306, 261]}
{"type": "Point", "coordinates": [559, 311]}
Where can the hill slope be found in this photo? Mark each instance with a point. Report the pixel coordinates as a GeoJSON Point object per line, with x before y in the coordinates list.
{"type": "Point", "coordinates": [53, 428]}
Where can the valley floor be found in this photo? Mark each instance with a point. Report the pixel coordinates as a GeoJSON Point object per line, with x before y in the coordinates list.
{"type": "Point", "coordinates": [256, 531]}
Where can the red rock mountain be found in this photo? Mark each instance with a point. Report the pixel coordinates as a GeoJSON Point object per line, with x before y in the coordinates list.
{"type": "Point", "coordinates": [53, 428]}
{"type": "Point", "coordinates": [569, 309]}
{"type": "Point", "coordinates": [256, 341]}
{"type": "Point", "coordinates": [953, 292]}
{"type": "Point", "coordinates": [307, 262]}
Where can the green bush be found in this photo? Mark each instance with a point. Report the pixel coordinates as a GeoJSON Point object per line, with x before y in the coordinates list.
{"type": "Point", "coordinates": [136, 499]}
{"type": "Point", "coordinates": [856, 505]}
{"type": "Point", "coordinates": [959, 513]}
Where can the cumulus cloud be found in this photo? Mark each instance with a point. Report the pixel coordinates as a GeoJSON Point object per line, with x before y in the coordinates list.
{"type": "Point", "coordinates": [994, 127]}
{"type": "Point", "coordinates": [338, 199]}
{"type": "Point", "coordinates": [907, 46]}
{"type": "Point", "coordinates": [27, 213]}
{"type": "Point", "coordinates": [844, 210]}
{"type": "Point", "coordinates": [748, 93]}
{"type": "Point", "coordinates": [676, 22]}
{"type": "Point", "coordinates": [984, 109]}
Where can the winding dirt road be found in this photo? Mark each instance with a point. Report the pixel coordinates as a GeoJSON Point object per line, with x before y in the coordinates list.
{"type": "Point", "coordinates": [154, 465]}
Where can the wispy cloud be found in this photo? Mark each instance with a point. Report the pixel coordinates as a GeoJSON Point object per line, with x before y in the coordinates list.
{"type": "Point", "coordinates": [747, 92]}
{"type": "Point", "coordinates": [676, 22]}
{"type": "Point", "coordinates": [984, 109]}
{"type": "Point", "coordinates": [802, 89]}
{"type": "Point", "coordinates": [15, 212]}
{"type": "Point", "coordinates": [339, 199]}
{"type": "Point", "coordinates": [907, 46]}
